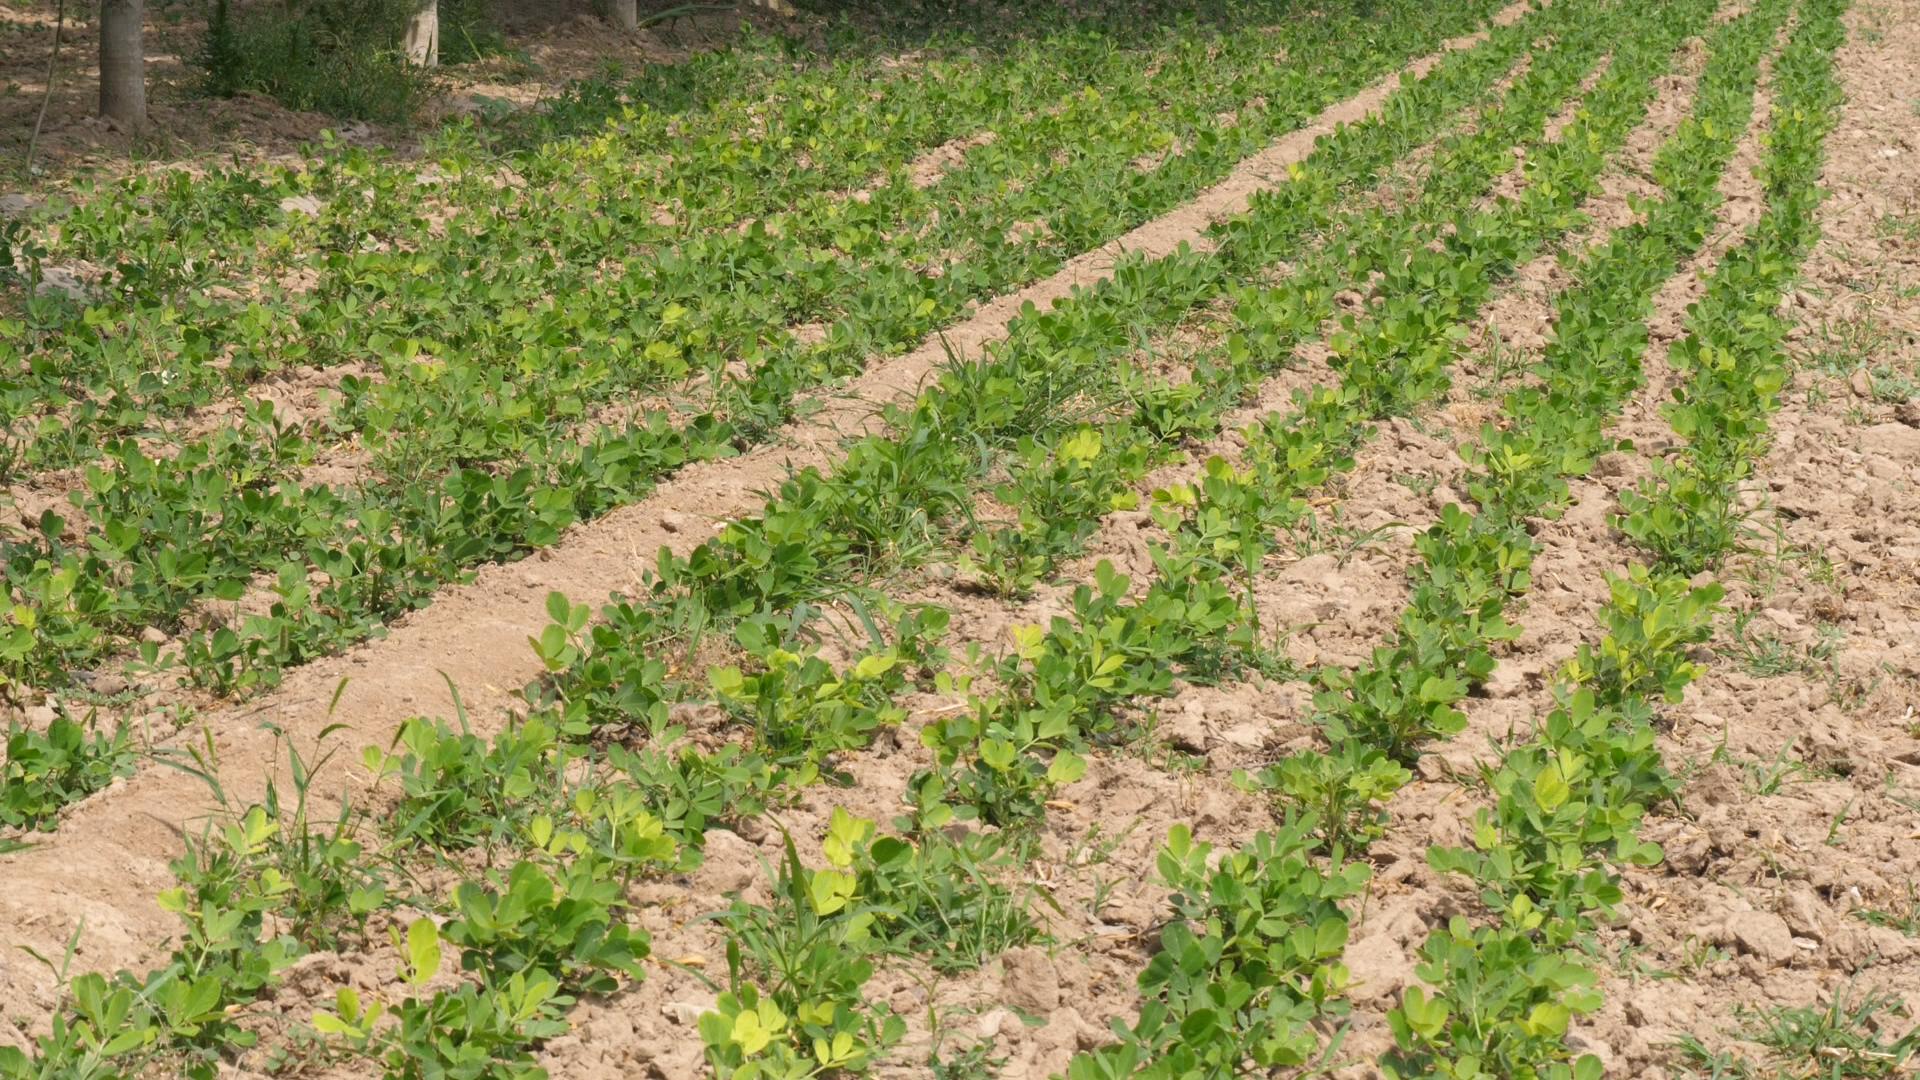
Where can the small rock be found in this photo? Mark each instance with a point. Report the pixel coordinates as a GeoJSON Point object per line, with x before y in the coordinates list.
{"type": "Point", "coordinates": [731, 865]}
{"type": "Point", "coordinates": [55, 279]}
{"type": "Point", "coordinates": [1612, 464]}
{"type": "Point", "coordinates": [1189, 731]}
{"type": "Point", "coordinates": [612, 1027]}
{"type": "Point", "coordinates": [752, 829]}
{"type": "Point", "coordinates": [1802, 911]}
{"type": "Point", "coordinates": [1130, 910]}
{"type": "Point", "coordinates": [1881, 469]}
{"type": "Point", "coordinates": [1861, 384]}
{"type": "Point", "coordinates": [1587, 1043]}
{"type": "Point", "coordinates": [563, 1045]}
{"type": "Point", "coordinates": [1314, 569]}
{"type": "Point", "coordinates": [301, 204]}
{"type": "Point", "coordinates": [672, 522]}
{"type": "Point", "coordinates": [1505, 681]}
{"type": "Point", "coordinates": [685, 1013]}
{"type": "Point", "coordinates": [1032, 983]}
{"type": "Point", "coordinates": [109, 684]}
{"type": "Point", "coordinates": [39, 717]}
{"type": "Point", "coordinates": [1890, 944]}
{"type": "Point", "coordinates": [1687, 853]}
{"type": "Point", "coordinates": [153, 635]}
{"type": "Point", "coordinates": [1782, 618]}
{"type": "Point", "coordinates": [993, 1022]}
{"type": "Point", "coordinates": [1762, 934]}
{"type": "Point", "coordinates": [1248, 736]}
{"type": "Point", "coordinates": [1893, 440]}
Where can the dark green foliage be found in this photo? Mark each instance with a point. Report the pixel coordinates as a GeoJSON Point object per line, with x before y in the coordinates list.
{"type": "Point", "coordinates": [45, 771]}
{"type": "Point", "coordinates": [340, 57]}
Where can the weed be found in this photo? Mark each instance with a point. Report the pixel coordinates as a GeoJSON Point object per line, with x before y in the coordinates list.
{"type": "Point", "coordinates": [1503, 364]}
{"type": "Point", "coordinates": [1421, 483]}
{"type": "Point", "coordinates": [1893, 385]}
{"type": "Point", "coordinates": [973, 1062]}
{"type": "Point", "coordinates": [1905, 917]}
{"type": "Point", "coordinates": [1847, 345]}
{"type": "Point", "coordinates": [1765, 654]}
{"type": "Point", "coordinates": [1841, 1039]}
{"type": "Point", "coordinates": [336, 56]}
{"type": "Point", "coordinates": [1698, 1062]}
{"type": "Point", "coordinates": [1770, 777]}
{"type": "Point", "coordinates": [942, 900]}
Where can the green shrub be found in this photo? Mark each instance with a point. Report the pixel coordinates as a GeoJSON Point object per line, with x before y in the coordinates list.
{"type": "Point", "coordinates": [341, 57]}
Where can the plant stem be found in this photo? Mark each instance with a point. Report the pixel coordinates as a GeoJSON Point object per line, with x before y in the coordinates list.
{"type": "Point", "coordinates": [59, 23]}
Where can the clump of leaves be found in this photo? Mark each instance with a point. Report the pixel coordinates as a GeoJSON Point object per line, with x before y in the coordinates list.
{"type": "Point", "coordinates": [43, 772]}
{"type": "Point", "coordinates": [796, 968]}
{"type": "Point", "coordinates": [1343, 791]}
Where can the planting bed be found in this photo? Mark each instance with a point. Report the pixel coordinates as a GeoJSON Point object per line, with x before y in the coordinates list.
{"type": "Point", "coordinates": [1244, 553]}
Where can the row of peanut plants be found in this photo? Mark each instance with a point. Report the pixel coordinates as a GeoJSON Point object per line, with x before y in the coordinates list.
{"type": "Point", "coordinates": [1253, 958]}
{"type": "Point", "coordinates": [462, 793]}
{"type": "Point", "coordinates": [482, 357]}
{"type": "Point", "coordinates": [784, 1014]}
{"type": "Point", "coordinates": [1567, 803]}
{"type": "Point", "coordinates": [797, 966]}
{"type": "Point", "coordinates": [748, 1023]}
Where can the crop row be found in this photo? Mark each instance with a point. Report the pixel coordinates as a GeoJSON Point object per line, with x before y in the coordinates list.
{"type": "Point", "coordinates": [820, 916]}
{"type": "Point", "coordinates": [726, 137]}
{"type": "Point", "coordinates": [462, 793]}
{"type": "Point", "coordinates": [496, 348]}
{"type": "Point", "coordinates": [1567, 804]}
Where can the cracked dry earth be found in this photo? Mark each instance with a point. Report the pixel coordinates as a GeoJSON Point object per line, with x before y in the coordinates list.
{"type": "Point", "coordinates": [1791, 875]}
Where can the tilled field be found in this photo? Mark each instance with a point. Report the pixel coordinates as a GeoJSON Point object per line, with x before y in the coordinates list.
{"type": "Point", "coordinates": [1225, 556]}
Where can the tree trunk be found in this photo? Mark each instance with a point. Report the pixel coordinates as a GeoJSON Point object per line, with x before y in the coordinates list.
{"type": "Point", "coordinates": [123, 64]}
{"type": "Point", "coordinates": [423, 35]}
{"type": "Point", "coordinates": [625, 14]}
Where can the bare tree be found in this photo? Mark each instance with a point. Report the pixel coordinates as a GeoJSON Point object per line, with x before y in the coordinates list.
{"type": "Point", "coordinates": [123, 63]}
{"type": "Point", "coordinates": [624, 13]}
{"type": "Point", "coordinates": [423, 35]}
